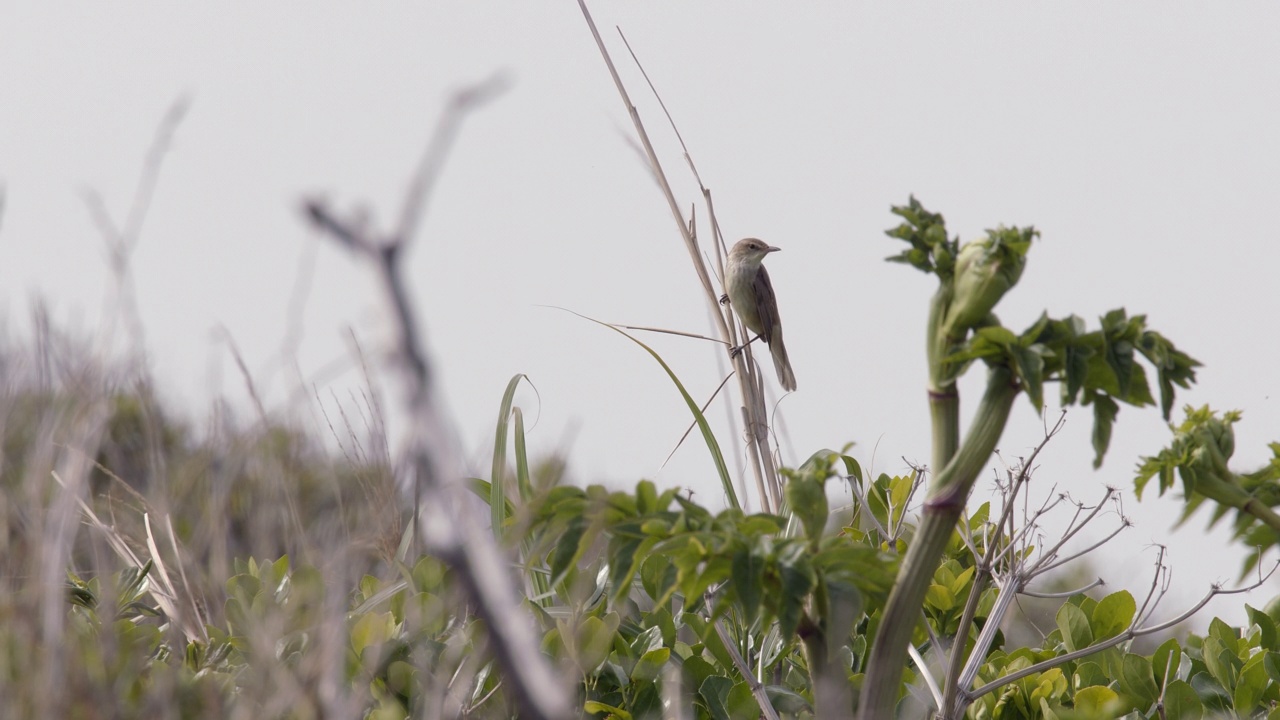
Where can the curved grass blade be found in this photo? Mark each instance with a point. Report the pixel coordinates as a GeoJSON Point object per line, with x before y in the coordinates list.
{"type": "Point", "coordinates": [712, 445]}
{"type": "Point", "coordinates": [497, 488]}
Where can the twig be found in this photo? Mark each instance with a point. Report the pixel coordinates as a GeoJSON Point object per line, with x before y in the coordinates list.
{"type": "Point", "coordinates": [762, 463]}
{"type": "Point", "coordinates": [757, 690]}
{"type": "Point", "coordinates": [123, 240]}
{"type": "Point", "coordinates": [428, 170]}
{"type": "Point", "coordinates": [694, 424]}
{"type": "Point", "coordinates": [1129, 634]}
{"type": "Point", "coordinates": [432, 471]}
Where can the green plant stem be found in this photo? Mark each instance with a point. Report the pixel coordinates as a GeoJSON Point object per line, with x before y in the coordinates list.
{"type": "Point", "coordinates": [944, 401]}
{"type": "Point", "coordinates": [944, 417]}
{"type": "Point", "coordinates": [981, 582]}
{"type": "Point", "coordinates": [831, 697]}
{"type": "Point", "coordinates": [937, 344]}
{"type": "Point", "coordinates": [1259, 510]}
{"type": "Point", "coordinates": [944, 506]}
{"type": "Point", "coordinates": [1223, 487]}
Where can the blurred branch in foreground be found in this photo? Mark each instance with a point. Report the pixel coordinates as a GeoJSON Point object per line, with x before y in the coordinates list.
{"type": "Point", "coordinates": [431, 465]}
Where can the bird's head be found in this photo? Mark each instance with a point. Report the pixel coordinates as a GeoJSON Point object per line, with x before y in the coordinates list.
{"type": "Point", "coordinates": [751, 250]}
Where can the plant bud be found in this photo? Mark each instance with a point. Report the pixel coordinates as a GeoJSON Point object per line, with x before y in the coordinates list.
{"type": "Point", "coordinates": [985, 270]}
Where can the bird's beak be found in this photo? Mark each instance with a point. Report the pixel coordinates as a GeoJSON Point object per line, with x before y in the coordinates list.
{"type": "Point", "coordinates": [772, 249]}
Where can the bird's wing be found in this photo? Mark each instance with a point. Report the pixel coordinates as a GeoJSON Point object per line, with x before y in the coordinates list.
{"type": "Point", "coordinates": [766, 305]}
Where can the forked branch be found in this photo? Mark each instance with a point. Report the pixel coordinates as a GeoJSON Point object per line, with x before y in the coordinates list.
{"type": "Point", "coordinates": [432, 468]}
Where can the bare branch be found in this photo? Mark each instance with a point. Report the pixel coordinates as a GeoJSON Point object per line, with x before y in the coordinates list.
{"type": "Point", "coordinates": [432, 471]}
{"type": "Point", "coordinates": [122, 240]}
{"type": "Point", "coordinates": [1126, 636]}
{"type": "Point", "coordinates": [757, 690]}
{"type": "Point", "coordinates": [1069, 593]}
{"type": "Point", "coordinates": [442, 140]}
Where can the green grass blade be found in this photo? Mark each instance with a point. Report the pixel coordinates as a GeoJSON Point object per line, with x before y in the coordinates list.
{"type": "Point", "coordinates": [497, 488]}
{"type": "Point", "coordinates": [523, 484]}
{"type": "Point", "coordinates": [713, 446]}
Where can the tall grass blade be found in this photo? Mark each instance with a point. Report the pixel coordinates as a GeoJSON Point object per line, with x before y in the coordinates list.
{"type": "Point", "coordinates": [497, 488]}
{"type": "Point", "coordinates": [708, 437]}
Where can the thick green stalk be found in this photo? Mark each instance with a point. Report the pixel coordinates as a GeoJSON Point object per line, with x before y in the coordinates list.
{"type": "Point", "coordinates": [937, 344]}
{"type": "Point", "coordinates": [831, 696]}
{"type": "Point", "coordinates": [944, 401]}
{"type": "Point", "coordinates": [944, 414]}
{"type": "Point", "coordinates": [943, 507]}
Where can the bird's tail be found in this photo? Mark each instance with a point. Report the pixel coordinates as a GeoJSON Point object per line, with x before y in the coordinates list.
{"type": "Point", "coordinates": [780, 361]}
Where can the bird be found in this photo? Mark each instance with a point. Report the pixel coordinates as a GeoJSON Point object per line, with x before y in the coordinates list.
{"type": "Point", "coordinates": [750, 293]}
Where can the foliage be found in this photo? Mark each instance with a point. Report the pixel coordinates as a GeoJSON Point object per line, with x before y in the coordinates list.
{"type": "Point", "coordinates": [1202, 446]}
{"type": "Point", "coordinates": [654, 597]}
{"type": "Point", "coordinates": [1097, 367]}
{"type": "Point", "coordinates": [163, 603]}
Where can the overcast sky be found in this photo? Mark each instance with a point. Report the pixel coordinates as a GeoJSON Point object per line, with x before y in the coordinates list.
{"type": "Point", "coordinates": [1142, 139]}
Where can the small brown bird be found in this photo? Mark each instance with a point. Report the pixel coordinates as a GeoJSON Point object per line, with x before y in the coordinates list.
{"type": "Point", "coordinates": [747, 285]}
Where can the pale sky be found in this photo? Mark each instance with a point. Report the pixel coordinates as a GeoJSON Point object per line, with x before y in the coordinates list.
{"type": "Point", "coordinates": [1142, 140]}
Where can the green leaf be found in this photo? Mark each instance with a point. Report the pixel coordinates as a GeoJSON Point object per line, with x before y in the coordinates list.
{"type": "Point", "coordinates": [1119, 357]}
{"type": "Point", "coordinates": [1272, 665]}
{"type": "Point", "coordinates": [716, 647]}
{"type": "Point", "coordinates": [573, 542]}
{"type": "Point", "coordinates": [650, 665]}
{"type": "Point", "coordinates": [1224, 633]}
{"type": "Point", "coordinates": [715, 695]}
{"type": "Point", "coordinates": [1173, 367]}
{"type": "Point", "coordinates": [592, 706]}
{"type": "Point", "coordinates": [1221, 662]}
{"type": "Point", "coordinates": [1089, 673]}
{"type": "Point", "coordinates": [659, 577]}
{"type": "Point", "coordinates": [647, 497]}
{"type": "Point", "coordinates": [1250, 685]}
{"type": "Point", "coordinates": [940, 597]}
{"type": "Point", "coordinates": [747, 572]}
{"type": "Point", "coordinates": [1165, 661]}
{"type": "Point", "coordinates": [594, 640]}
{"type": "Point", "coordinates": [926, 232]}
{"type": "Point", "coordinates": [900, 489]}
{"type": "Point", "coordinates": [1097, 701]}
{"type": "Point", "coordinates": [852, 468]}
{"type": "Point", "coordinates": [1181, 702]}
{"type": "Point", "coordinates": [1075, 627]}
{"type": "Point", "coordinates": [1137, 680]}
{"type": "Point", "coordinates": [483, 490]}
{"type": "Point", "coordinates": [798, 580]}
{"type": "Point", "coordinates": [696, 670]}
{"type": "Point", "coordinates": [1113, 615]}
{"type": "Point", "coordinates": [622, 564]}
{"type": "Point", "coordinates": [371, 629]}
{"type": "Point", "coordinates": [1030, 366]}
{"type": "Point", "coordinates": [785, 700]}
{"type": "Point", "coordinates": [1076, 366]}
{"type": "Point", "coordinates": [1104, 417]}
{"type": "Point", "coordinates": [878, 500]}
{"type": "Point", "coordinates": [646, 642]}
{"type": "Point", "coordinates": [742, 704]}
{"type": "Point", "coordinates": [866, 568]}
{"type": "Point", "coordinates": [808, 501]}
{"type": "Point", "coordinates": [1266, 626]}
{"type": "Point", "coordinates": [715, 570]}
{"type": "Point", "coordinates": [961, 583]}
